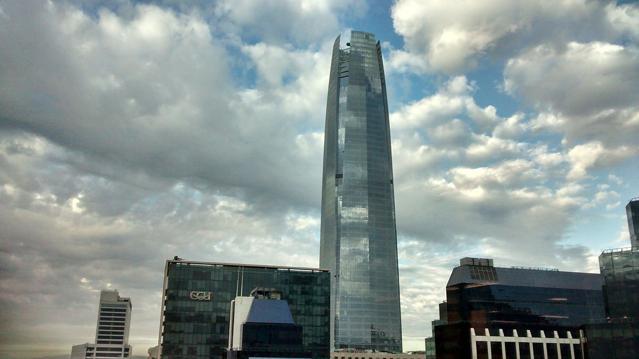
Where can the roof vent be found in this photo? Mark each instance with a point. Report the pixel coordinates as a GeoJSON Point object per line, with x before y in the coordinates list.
{"type": "Point", "coordinates": [469, 261]}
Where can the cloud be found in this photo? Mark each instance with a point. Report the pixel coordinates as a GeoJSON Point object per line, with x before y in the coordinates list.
{"type": "Point", "coordinates": [453, 37]}
{"type": "Point", "coordinates": [151, 108]}
{"type": "Point", "coordinates": [119, 239]}
{"type": "Point", "coordinates": [130, 133]}
{"type": "Point", "coordinates": [288, 21]}
{"type": "Point", "coordinates": [125, 140]}
{"type": "Point", "coordinates": [594, 154]}
{"type": "Point", "coordinates": [599, 106]}
{"type": "Point", "coordinates": [467, 177]}
{"type": "Point", "coordinates": [454, 97]}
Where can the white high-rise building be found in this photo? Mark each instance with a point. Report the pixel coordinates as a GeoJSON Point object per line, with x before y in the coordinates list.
{"type": "Point", "coordinates": [112, 331]}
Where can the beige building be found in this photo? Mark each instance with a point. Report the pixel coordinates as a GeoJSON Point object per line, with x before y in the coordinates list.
{"type": "Point", "coordinates": [112, 331]}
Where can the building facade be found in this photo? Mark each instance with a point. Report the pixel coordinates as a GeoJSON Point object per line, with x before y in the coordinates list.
{"type": "Point", "coordinates": [620, 271]}
{"type": "Point", "coordinates": [617, 336]}
{"type": "Point", "coordinates": [507, 301]}
{"type": "Point", "coordinates": [262, 326]}
{"type": "Point", "coordinates": [197, 297]}
{"type": "Point", "coordinates": [377, 355]}
{"type": "Point", "coordinates": [546, 345]}
{"type": "Point", "coordinates": [429, 348]}
{"type": "Point", "coordinates": [358, 234]}
{"type": "Point", "coordinates": [112, 330]}
{"type": "Point", "coordinates": [632, 212]}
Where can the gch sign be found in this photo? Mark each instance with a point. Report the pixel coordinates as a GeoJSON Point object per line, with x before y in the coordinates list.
{"type": "Point", "coordinates": [200, 295]}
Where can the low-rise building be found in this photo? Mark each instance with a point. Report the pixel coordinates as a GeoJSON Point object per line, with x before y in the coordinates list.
{"type": "Point", "coordinates": [196, 305]}
{"type": "Point", "coordinates": [487, 306]}
{"type": "Point", "coordinates": [262, 327]}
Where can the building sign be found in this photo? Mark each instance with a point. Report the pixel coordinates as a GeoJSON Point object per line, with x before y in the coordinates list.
{"type": "Point", "coordinates": [200, 295]}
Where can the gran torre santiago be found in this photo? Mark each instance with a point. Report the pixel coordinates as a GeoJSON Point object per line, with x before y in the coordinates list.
{"type": "Point", "coordinates": [358, 234]}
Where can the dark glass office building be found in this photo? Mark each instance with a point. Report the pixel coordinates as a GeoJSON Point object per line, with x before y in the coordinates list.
{"type": "Point", "coordinates": [197, 299]}
{"type": "Point", "coordinates": [482, 296]}
{"type": "Point", "coordinates": [358, 236]}
{"type": "Point", "coordinates": [617, 336]}
{"type": "Point", "coordinates": [632, 211]}
{"type": "Point", "coordinates": [620, 271]}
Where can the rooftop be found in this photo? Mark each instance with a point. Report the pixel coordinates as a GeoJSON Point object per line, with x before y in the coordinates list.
{"type": "Point", "coordinates": [244, 265]}
{"type": "Point", "coordinates": [621, 250]}
{"type": "Point", "coordinates": [524, 277]}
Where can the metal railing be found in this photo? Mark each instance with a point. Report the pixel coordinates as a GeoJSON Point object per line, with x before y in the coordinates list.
{"type": "Point", "coordinates": [528, 340]}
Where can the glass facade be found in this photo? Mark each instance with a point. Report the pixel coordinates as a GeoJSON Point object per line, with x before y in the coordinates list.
{"type": "Point", "coordinates": [614, 339]}
{"type": "Point", "coordinates": [632, 212]}
{"type": "Point", "coordinates": [497, 304]}
{"type": "Point", "coordinates": [358, 236]}
{"type": "Point", "coordinates": [197, 299]}
{"type": "Point", "coordinates": [620, 270]}
{"type": "Point", "coordinates": [494, 295]}
{"type": "Point", "coordinates": [523, 299]}
{"type": "Point", "coordinates": [617, 337]}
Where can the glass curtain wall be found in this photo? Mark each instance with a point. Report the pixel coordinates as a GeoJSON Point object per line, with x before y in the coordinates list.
{"type": "Point", "coordinates": [196, 326]}
{"type": "Point", "coordinates": [358, 235]}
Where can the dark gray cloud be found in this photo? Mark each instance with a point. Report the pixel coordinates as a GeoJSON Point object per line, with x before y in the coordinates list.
{"type": "Point", "coordinates": [152, 94]}
{"type": "Point", "coordinates": [125, 141]}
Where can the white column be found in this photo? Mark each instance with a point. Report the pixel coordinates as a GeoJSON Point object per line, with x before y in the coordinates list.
{"type": "Point", "coordinates": [572, 348]}
{"type": "Point", "coordinates": [543, 335]}
{"type": "Point", "coordinates": [516, 343]}
{"type": "Point", "coordinates": [581, 341]}
{"type": "Point", "coordinates": [558, 345]}
{"type": "Point", "coordinates": [530, 344]}
{"type": "Point", "coordinates": [473, 343]}
{"type": "Point", "coordinates": [488, 343]}
{"type": "Point", "coordinates": [503, 344]}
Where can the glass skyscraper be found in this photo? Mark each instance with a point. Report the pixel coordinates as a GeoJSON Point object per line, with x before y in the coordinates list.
{"type": "Point", "coordinates": [632, 211]}
{"type": "Point", "coordinates": [358, 236]}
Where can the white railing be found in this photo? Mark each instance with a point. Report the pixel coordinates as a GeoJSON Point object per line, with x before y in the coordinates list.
{"type": "Point", "coordinates": [528, 339]}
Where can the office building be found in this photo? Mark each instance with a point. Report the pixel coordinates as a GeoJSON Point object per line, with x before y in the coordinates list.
{"type": "Point", "coordinates": [620, 271]}
{"type": "Point", "coordinates": [429, 346]}
{"type": "Point", "coordinates": [358, 235]}
{"type": "Point", "coordinates": [617, 336]}
{"type": "Point", "coordinates": [493, 310]}
{"type": "Point", "coordinates": [197, 296]}
{"type": "Point", "coordinates": [632, 212]}
{"type": "Point", "coordinates": [261, 326]}
{"type": "Point", "coordinates": [112, 331]}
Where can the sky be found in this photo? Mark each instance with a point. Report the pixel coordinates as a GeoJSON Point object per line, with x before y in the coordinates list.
{"type": "Point", "coordinates": [132, 132]}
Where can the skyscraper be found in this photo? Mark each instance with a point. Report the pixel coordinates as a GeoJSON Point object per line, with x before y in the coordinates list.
{"type": "Point", "coordinates": [112, 331]}
{"type": "Point", "coordinates": [358, 235]}
{"type": "Point", "coordinates": [632, 211]}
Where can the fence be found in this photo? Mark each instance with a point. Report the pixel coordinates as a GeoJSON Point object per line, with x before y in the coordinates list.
{"type": "Point", "coordinates": [528, 340]}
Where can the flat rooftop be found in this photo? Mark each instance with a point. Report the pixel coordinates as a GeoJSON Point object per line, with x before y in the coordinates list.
{"type": "Point", "coordinates": [524, 277]}
{"type": "Point", "coordinates": [245, 265]}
